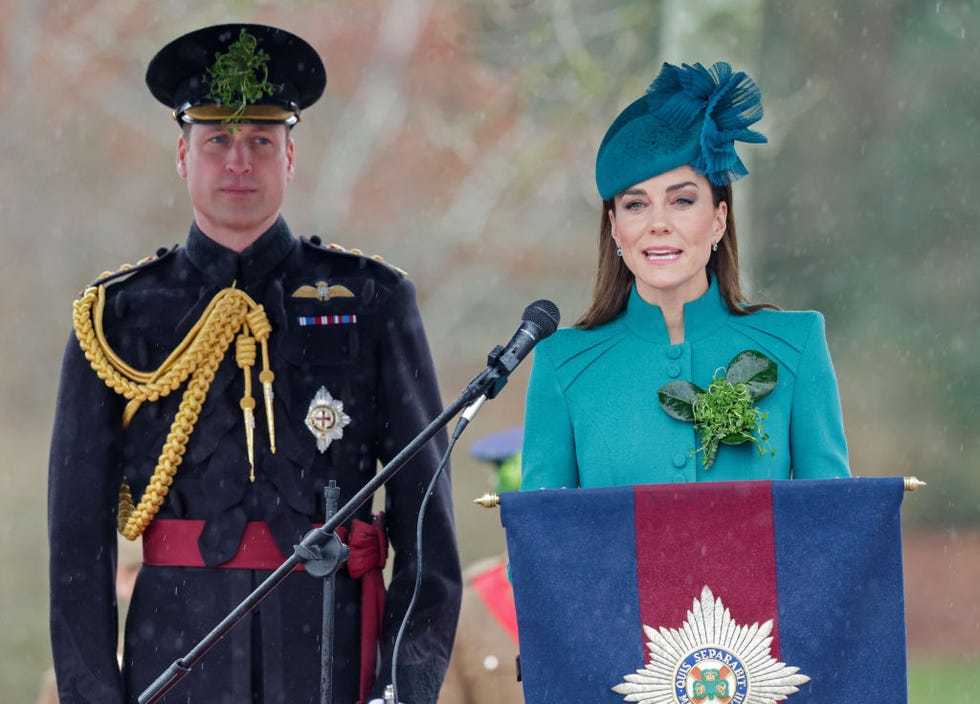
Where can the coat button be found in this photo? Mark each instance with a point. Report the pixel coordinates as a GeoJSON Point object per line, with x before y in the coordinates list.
{"type": "Point", "coordinates": [674, 352]}
{"type": "Point", "coordinates": [680, 460]}
{"type": "Point", "coordinates": [673, 370]}
{"type": "Point", "coordinates": [679, 478]}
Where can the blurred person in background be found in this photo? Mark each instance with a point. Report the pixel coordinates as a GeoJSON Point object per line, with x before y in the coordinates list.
{"type": "Point", "coordinates": [671, 375]}
{"type": "Point", "coordinates": [330, 373]}
{"type": "Point", "coordinates": [483, 667]}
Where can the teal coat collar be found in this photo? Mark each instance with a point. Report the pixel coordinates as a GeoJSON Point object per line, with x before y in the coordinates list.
{"type": "Point", "coordinates": [702, 316]}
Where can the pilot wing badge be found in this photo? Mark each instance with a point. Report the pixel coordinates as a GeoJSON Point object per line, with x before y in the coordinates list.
{"type": "Point", "coordinates": [711, 658]}
{"type": "Point", "coordinates": [322, 291]}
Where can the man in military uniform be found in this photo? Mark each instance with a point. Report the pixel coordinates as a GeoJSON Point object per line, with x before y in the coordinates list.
{"type": "Point", "coordinates": [207, 397]}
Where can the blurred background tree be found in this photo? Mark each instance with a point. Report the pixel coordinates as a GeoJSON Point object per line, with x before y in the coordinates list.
{"type": "Point", "coordinates": [457, 139]}
{"type": "Point", "coordinates": [868, 212]}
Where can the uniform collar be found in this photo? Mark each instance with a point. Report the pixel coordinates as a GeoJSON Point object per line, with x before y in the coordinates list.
{"type": "Point", "coordinates": [223, 266]}
{"type": "Point", "coordinates": [702, 316]}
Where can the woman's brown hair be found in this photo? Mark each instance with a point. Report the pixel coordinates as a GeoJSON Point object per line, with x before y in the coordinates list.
{"type": "Point", "coordinates": [614, 280]}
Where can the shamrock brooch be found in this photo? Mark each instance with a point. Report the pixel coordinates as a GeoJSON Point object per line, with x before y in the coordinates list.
{"type": "Point", "coordinates": [726, 412]}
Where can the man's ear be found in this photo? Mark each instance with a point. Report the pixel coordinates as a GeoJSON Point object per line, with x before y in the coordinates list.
{"type": "Point", "coordinates": [182, 157]}
{"type": "Point", "coordinates": [290, 159]}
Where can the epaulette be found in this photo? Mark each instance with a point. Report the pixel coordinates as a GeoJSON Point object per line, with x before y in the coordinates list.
{"type": "Point", "coordinates": [128, 269]}
{"type": "Point", "coordinates": [316, 242]}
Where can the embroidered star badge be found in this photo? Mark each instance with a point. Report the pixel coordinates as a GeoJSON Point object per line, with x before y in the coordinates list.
{"type": "Point", "coordinates": [326, 419]}
{"type": "Point", "coordinates": [711, 658]}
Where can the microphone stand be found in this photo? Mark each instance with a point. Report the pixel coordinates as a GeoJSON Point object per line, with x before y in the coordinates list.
{"type": "Point", "coordinates": [331, 495]}
{"type": "Point", "coordinates": [321, 551]}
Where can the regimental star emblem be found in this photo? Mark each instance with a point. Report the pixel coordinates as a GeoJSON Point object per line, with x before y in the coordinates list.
{"type": "Point", "coordinates": [710, 659]}
{"type": "Point", "coordinates": [326, 419]}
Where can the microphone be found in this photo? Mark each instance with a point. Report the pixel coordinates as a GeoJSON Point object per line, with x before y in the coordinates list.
{"type": "Point", "coordinates": [539, 320]}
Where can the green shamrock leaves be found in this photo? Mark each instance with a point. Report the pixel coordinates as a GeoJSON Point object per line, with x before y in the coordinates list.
{"type": "Point", "coordinates": [726, 412]}
{"type": "Point", "coordinates": [240, 77]}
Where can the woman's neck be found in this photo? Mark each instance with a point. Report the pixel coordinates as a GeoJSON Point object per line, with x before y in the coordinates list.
{"type": "Point", "coordinates": [671, 303]}
{"type": "Point", "coordinates": [674, 320]}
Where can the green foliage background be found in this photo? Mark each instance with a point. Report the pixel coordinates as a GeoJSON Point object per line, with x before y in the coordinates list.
{"type": "Point", "coordinates": [868, 213]}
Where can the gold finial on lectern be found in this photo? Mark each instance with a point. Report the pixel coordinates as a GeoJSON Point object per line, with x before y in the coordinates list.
{"type": "Point", "coordinates": [488, 501]}
{"type": "Point", "coordinates": [914, 484]}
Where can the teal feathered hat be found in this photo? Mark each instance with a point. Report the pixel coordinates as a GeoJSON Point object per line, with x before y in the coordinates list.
{"type": "Point", "coordinates": [690, 115]}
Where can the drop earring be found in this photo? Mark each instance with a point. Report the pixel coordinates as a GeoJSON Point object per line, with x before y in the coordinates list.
{"type": "Point", "coordinates": [714, 246]}
{"type": "Point", "coordinates": [619, 252]}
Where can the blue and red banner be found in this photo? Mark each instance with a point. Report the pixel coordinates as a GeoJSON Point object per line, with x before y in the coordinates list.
{"type": "Point", "coordinates": [720, 592]}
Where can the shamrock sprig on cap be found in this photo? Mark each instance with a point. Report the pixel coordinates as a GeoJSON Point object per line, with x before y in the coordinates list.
{"type": "Point", "coordinates": [726, 412]}
{"type": "Point", "coordinates": [240, 76]}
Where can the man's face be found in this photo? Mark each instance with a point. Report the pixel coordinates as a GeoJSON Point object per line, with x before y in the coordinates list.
{"type": "Point", "coordinates": [236, 177]}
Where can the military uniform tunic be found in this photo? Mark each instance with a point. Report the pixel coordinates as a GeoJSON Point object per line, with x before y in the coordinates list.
{"type": "Point", "coordinates": [372, 356]}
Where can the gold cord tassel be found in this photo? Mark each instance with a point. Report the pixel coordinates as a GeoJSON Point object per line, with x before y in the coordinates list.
{"type": "Point", "coordinates": [248, 411]}
{"type": "Point", "coordinates": [261, 328]}
{"type": "Point", "coordinates": [266, 377]}
{"type": "Point", "coordinates": [245, 357]}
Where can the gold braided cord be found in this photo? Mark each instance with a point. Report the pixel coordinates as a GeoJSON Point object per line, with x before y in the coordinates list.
{"type": "Point", "coordinates": [140, 516]}
{"type": "Point", "coordinates": [228, 308]}
{"type": "Point", "coordinates": [198, 356]}
{"type": "Point", "coordinates": [125, 506]}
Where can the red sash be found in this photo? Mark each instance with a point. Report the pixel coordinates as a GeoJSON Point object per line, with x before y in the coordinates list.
{"type": "Point", "coordinates": [173, 543]}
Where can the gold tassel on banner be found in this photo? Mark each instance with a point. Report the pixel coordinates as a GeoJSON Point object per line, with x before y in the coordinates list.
{"type": "Point", "coordinates": [913, 484]}
{"type": "Point", "coordinates": [488, 501]}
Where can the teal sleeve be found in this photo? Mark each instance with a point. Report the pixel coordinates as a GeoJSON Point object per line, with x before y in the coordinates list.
{"type": "Point", "coordinates": [548, 456]}
{"type": "Point", "coordinates": [819, 448]}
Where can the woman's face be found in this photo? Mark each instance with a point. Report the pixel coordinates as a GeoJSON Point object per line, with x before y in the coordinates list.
{"type": "Point", "coordinates": [665, 227]}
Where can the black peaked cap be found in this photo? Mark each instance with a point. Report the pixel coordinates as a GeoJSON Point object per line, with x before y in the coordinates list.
{"type": "Point", "coordinates": [176, 75]}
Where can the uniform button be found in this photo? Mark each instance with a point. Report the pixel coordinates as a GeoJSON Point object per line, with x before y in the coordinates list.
{"type": "Point", "coordinates": [673, 370]}
{"type": "Point", "coordinates": [680, 460]}
{"type": "Point", "coordinates": [674, 352]}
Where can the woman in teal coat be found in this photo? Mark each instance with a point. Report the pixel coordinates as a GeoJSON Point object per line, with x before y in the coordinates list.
{"type": "Point", "coordinates": [671, 376]}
